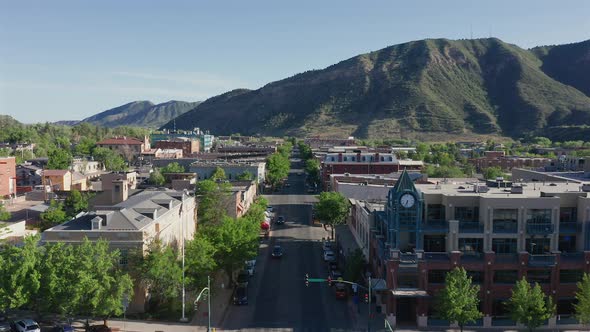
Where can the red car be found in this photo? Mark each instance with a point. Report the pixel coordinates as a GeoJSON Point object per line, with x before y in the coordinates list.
{"type": "Point", "coordinates": [341, 292]}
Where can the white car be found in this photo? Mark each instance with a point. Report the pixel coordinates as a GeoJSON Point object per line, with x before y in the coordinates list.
{"type": "Point", "coordinates": [329, 256]}
{"type": "Point", "coordinates": [27, 325]}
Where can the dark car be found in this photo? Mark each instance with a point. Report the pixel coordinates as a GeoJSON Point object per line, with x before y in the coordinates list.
{"type": "Point", "coordinates": [240, 295]}
{"type": "Point", "coordinates": [242, 279]}
{"type": "Point", "coordinates": [277, 252]}
{"type": "Point", "coordinates": [280, 220]}
{"type": "Point", "coordinates": [341, 291]}
{"type": "Point", "coordinates": [335, 274]}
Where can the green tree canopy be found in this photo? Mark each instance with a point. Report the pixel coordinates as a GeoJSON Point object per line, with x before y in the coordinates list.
{"type": "Point", "coordinates": [199, 260]}
{"type": "Point", "coordinates": [491, 173]}
{"type": "Point", "coordinates": [4, 214]}
{"type": "Point", "coordinates": [53, 216]}
{"type": "Point", "coordinates": [458, 301]}
{"type": "Point", "coordinates": [582, 308]}
{"type": "Point", "coordinates": [111, 160]}
{"type": "Point", "coordinates": [312, 167]}
{"type": "Point", "coordinates": [19, 276]}
{"type": "Point", "coordinates": [218, 174]}
{"type": "Point", "coordinates": [213, 201]}
{"type": "Point", "coordinates": [156, 178]}
{"type": "Point", "coordinates": [172, 168]}
{"type": "Point", "coordinates": [278, 167]}
{"type": "Point", "coordinates": [529, 305]}
{"type": "Point", "coordinates": [245, 176]}
{"type": "Point", "coordinates": [332, 209]}
{"type": "Point", "coordinates": [59, 159]}
{"type": "Point", "coordinates": [75, 203]}
{"type": "Point", "coordinates": [85, 146]}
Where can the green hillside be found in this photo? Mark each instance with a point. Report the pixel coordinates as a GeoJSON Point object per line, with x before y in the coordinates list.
{"type": "Point", "coordinates": [455, 87]}
{"type": "Point", "coordinates": [141, 114]}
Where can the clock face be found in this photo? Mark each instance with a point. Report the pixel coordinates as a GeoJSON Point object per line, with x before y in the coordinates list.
{"type": "Point", "coordinates": [407, 200]}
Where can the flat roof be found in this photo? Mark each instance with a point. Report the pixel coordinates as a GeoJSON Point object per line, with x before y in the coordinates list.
{"type": "Point", "coordinates": [460, 187]}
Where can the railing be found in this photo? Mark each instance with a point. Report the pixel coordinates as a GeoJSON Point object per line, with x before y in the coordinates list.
{"type": "Point", "coordinates": [569, 227]}
{"type": "Point", "coordinates": [472, 256]}
{"type": "Point", "coordinates": [539, 228]}
{"type": "Point", "coordinates": [506, 227]}
{"type": "Point", "coordinates": [541, 260]}
{"type": "Point", "coordinates": [435, 226]}
{"type": "Point", "coordinates": [470, 227]}
{"type": "Point", "coordinates": [408, 258]}
{"type": "Point", "coordinates": [436, 256]}
{"type": "Point", "coordinates": [575, 256]}
{"type": "Point", "coordinates": [506, 258]}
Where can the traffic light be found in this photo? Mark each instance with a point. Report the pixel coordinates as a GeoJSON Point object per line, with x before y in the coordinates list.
{"type": "Point", "coordinates": [307, 280]}
{"type": "Point", "coordinates": [329, 281]}
{"type": "Point", "coordinates": [366, 297]}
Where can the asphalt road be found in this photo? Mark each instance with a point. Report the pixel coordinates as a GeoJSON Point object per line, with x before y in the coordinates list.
{"type": "Point", "coordinates": [278, 297]}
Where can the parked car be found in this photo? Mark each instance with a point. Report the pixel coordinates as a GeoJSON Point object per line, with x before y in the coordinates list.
{"type": "Point", "coordinates": [335, 274]}
{"type": "Point", "coordinates": [333, 266]}
{"type": "Point", "coordinates": [341, 291]}
{"type": "Point", "coordinates": [329, 256]}
{"type": "Point", "coordinates": [280, 220]}
{"type": "Point", "coordinates": [240, 295]}
{"type": "Point", "coordinates": [62, 328]}
{"type": "Point", "coordinates": [277, 251]}
{"type": "Point", "coordinates": [99, 328]}
{"type": "Point", "coordinates": [327, 246]}
{"type": "Point", "coordinates": [5, 326]}
{"type": "Point", "coordinates": [310, 190]}
{"type": "Point", "coordinates": [27, 325]}
{"type": "Point", "coordinates": [242, 279]}
{"type": "Point", "coordinates": [287, 184]}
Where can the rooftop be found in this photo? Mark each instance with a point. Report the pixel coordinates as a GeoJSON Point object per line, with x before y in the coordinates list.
{"type": "Point", "coordinates": [120, 141]}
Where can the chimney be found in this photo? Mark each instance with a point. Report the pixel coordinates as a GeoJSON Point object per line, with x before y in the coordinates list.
{"type": "Point", "coordinates": [120, 191]}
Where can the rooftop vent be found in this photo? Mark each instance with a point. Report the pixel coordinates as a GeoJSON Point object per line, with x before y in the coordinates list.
{"type": "Point", "coordinates": [479, 188]}
{"type": "Point", "coordinates": [586, 187]}
{"type": "Point", "coordinates": [516, 190]}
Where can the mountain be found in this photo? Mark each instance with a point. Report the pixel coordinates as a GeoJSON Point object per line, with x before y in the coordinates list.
{"type": "Point", "coordinates": [141, 114]}
{"type": "Point", "coordinates": [457, 87]}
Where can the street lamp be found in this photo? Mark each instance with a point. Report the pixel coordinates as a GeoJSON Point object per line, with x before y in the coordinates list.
{"type": "Point", "coordinates": [208, 290]}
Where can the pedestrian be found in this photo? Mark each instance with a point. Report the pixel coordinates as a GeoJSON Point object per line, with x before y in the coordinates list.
{"type": "Point", "coordinates": [355, 300]}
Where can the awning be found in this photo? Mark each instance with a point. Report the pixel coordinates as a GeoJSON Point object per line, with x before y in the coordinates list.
{"type": "Point", "coordinates": [378, 284]}
{"type": "Point", "coordinates": [409, 292]}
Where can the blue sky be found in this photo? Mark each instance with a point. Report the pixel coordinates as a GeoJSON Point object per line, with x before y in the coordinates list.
{"type": "Point", "coordinates": [66, 60]}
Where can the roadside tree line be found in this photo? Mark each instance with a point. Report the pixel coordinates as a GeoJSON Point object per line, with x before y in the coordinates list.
{"type": "Point", "coordinates": [311, 165]}
{"type": "Point", "coordinates": [459, 302]}
{"type": "Point", "coordinates": [278, 165]}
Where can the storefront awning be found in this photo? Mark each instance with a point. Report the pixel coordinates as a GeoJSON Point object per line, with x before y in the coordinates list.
{"type": "Point", "coordinates": [409, 292]}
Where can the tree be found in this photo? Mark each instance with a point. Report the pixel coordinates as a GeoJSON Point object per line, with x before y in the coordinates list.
{"type": "Point", "coordinates": [75, 203]}
{"type": "Point", "coordinates": [199, 260]}
{"type": "Point", "coordinates": [582, 308]}
{"type": "Point", "coordinates": [19, 277]}
{"type": "Point", "coordinates": [156, 178]}
{"type": "Point", "coordinates": [85, 146]}
{"type": "Point", "coordinates": [493, 172]}
{"type": "Point", "coordinates": [111, 160]}
{"type": "Point", "coordinates": [54, 215]}
{"type": "Point", "coordinates": [529, 305]}
{"type": "Point", "coordinates": [213, 201]}
{"type": "Point", "coordinates": [312, 167]}
{"type": "Point", "coordinates": [59, 159]}
{"type": "Point", "coordinates": [159, 271]}
{"type": "Point", "coordinates": [218, 174]}
{"type": "Point", "coordinates": [172, 168]}
{"type": "Point", "coordinates": [542, 141]}
{"type": "Point", "coordinates": [332, 209]}
{"type": "Point", "coordinates": [4, 214]}
{"type": "Point", "coordinates": [235, 241]}
{"type": "Point", "coordinates": [458, 301]}
{"type": "Point", "coordinates": [245, 176]}
{"type": "Point", "coordinates": [285, 149]}
{"type": "Point", "coordinates": [278, 167]}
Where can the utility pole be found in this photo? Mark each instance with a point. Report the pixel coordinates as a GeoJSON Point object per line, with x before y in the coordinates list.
{"type": "Point", "coordinates": [369, 311]}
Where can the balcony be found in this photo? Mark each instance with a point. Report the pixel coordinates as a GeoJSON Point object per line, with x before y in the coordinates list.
{"type": "Point", "coordinates": [533, 228]}
{"type": "Point", "coordinates": [569, 227]}
{"type": "Point", "coordinates": [435, 226]}
{"type": "Point", "coordinates": [506, 258]}
{"type": "Point", "coordinates": [575, 256]}
{"type": "Point", "coordinates": [436, 256]}
{"type": "Point", "coordinates": [541, 260]}
{"type": "Point", "coordinates": [505, 227]}
{"type": "Point", "coordinates": [470, 227]}
{"type": "Point", "coordinates": [408, 258]}
{"type": "Point", "coordinates": [471, 256]}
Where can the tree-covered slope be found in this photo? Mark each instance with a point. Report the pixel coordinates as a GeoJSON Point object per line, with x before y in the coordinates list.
{"type": "Point", "coordinates": [141, 113]}
{"type": "Point", "coordinates": [467, 86]}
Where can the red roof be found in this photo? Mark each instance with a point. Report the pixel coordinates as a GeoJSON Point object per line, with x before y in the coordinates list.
{"type": "Point", "coordinates": [120, 141]}
{"type": "Point", "coordinates": [55, 172]}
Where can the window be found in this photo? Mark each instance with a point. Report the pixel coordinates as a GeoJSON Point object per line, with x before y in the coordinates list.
{"type": "Point", "coordinates": [538, 246]}
{"type": "Point", "coordinates": [471, 246]}
{"type": "Point", "coordinates": [540, 216]}
{"type": "Point", "coordinates": [117, 188]}
{"type": "Point", "coordinates": [568, 214]}
{"type": "Point", "coordinates": [470, 214]}
{"type": "Point", "coordinates": [436, 212]}
{"type": "Point", "coordinates": [434, 243]}
{"type": "Point", "coordinates": [123, 257]}
{"type": "Point", "coordinates": [504, 246]}
{"type": "Point", "coordinates": [505, 220]}
{"type": "Point", "coordinates": [505, 276]}
{"type": "Point", "coordinates": [476, 276]}
{"type": "Point", "coordinates": [570, 276]}
{"type": "Point", "coordinates": [567, 243]}
{"type": "Point", "coordinates": [437, 276]}
{"type": "Point", "coordinates": [539, 276]}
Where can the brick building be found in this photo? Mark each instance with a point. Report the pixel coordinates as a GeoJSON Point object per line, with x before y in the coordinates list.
{"type": "Point", "coordinates": [499, 159]}
{"type": "Point", "coordinates": [187, 145]}
{"type": "Point", "coordinates": [7, 176]}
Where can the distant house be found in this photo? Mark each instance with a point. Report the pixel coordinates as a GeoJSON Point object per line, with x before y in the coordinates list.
{"type": "Point", "coordinates": [28, 175]}
{"type": "Point", "coordinates": [58, 179]}
{"type": "Point", "coordinates": [130, 148]}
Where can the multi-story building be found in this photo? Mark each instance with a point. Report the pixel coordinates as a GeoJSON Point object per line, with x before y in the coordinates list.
{"type": "Point", "coordinates": [499, 232]}
{"type": "Point", "coordinates": [232, 170]}
{"type": "Point", "coordinates": [187, 145]}
{"type": "Point", "coordinates": [499, 159]}
{"type": "Point", "coordinates": [7, 177]}
{"type": "Point", "coordinates": [361, 163]}
{"type": "Point", "coordinates": [132, 223]}
{"type": "Point", "coordinates": [205, 139]}
{"type": "Point", "coordinates": [130, 148]}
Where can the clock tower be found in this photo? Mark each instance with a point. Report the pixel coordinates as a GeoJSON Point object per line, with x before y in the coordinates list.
{"type": "Point", "coordinates": [404, 215]}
